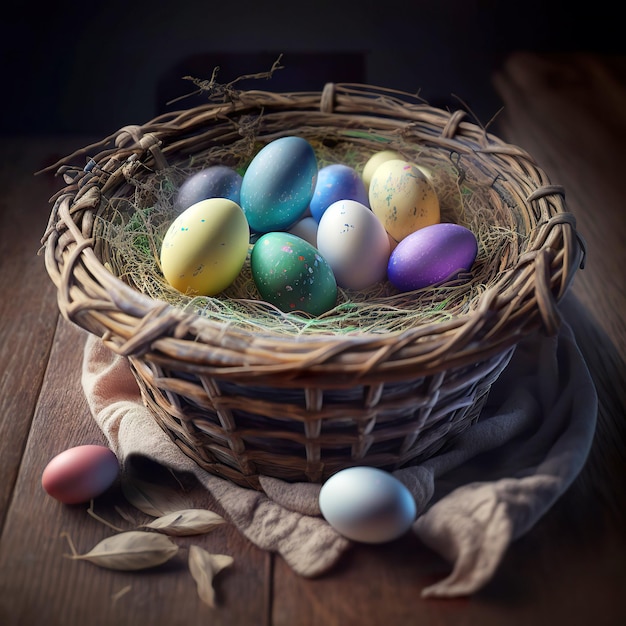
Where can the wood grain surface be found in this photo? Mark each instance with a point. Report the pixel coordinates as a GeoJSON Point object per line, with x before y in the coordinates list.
{"type": "Point", "coordinates": [569, 112]}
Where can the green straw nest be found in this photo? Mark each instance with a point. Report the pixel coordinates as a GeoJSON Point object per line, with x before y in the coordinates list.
{"type": "Point", "coordinates": [132, 230]}
{"type": "Point", "coordinates": [383, 379]}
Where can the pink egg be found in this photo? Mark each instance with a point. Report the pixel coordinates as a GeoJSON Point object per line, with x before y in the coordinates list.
{"type": "Point", "coordinates": [432, 255]}
{"type": "Point", "coordinates": [80, 473]}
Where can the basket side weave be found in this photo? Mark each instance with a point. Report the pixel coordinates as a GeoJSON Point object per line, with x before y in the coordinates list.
{"type": "Point", "coordinates": [242, 403]}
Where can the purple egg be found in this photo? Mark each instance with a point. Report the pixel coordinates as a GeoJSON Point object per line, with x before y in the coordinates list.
{"type": "Point", "coordinates": [216, 181]}
{"type": "Point", "coordinates": [432, 255]}
{"type": "Point", "coordinates": [336, 182]}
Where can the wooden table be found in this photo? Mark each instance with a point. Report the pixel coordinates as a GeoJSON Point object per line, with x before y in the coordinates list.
{"type": "Point", "coordinates": [570, 113]}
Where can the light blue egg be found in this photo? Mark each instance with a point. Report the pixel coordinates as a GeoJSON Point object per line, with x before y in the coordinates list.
{"type": "Point", "coordinates": [337, 182]}
{"type": "Point", "coordinates": [278, 184]}
{"type": "Point", "coordinates": [367, 504]}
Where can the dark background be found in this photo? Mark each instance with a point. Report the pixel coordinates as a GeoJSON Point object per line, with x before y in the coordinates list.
{"type": "Point", "coordinates": [94, 66]}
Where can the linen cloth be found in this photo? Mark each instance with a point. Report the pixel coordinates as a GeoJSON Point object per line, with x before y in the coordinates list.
{"type": "Point", "coordinates": [490, 487]}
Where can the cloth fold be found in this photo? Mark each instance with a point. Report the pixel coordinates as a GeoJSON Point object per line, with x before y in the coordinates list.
{"type": "Point", "coordinates": [488, 488]}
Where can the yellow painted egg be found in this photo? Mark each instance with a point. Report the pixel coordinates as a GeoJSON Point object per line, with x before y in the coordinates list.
{"type": "Point", "coordinates": [402, 198]}
{"type": "Point", "coordinates": [378, 158]}
{"type": "Point", "coordinates": [205, 247]}
{"type": "Point", "coordinates": [427, 172]}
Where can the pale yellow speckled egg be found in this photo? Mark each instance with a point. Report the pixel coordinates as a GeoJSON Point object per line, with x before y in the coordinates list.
{"type": "Point", "coordinates": [403, 198]}
{"type": "Point", "coordinates": [378, 158]}
{"type": "Point", "coordinates": [205, 247]}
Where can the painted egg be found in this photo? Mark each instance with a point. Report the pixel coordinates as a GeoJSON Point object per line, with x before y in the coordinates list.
{"type": "Point", "coordinates": [378, 158]}
{"type": "Point", "coordinates": [278, 184]}
{"type": "Point", "coordinates": [432, 255]}
{"type": "Point", "coordinates": [205, 247]}
{"type": "Point", "coordinates": [216, 181]}
{"type": "Point", "coordinates": [367, 504]}
{"type": "Point", "coordinates": [336, 182]}
{"type": "Point", "coordinates": [306, 229]}
{"type": "Point", "coordinates": [355, 244]}
{"type": "Point", "coordinates": [292, 275]}
{"type": "Point", "coordinates": [80, 473]}
{"type": "Point", "coordinates": [403, 198]}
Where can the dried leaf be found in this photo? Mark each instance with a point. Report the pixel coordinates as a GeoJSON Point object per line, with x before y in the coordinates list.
{"type": "Point", "coordinates": [204, 567]}
{"type": "Point", "coordinates": [125, 516]}
{"type": "Point", "coordinates": [132, 550]}
{"type": "Point", "coordinates": [151, 498]}
{"type": "Point", "coordinates": [186, 522]}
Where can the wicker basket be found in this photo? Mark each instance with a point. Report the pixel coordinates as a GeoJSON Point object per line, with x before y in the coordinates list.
{"type": "Point", "coordinates": [243, 403]}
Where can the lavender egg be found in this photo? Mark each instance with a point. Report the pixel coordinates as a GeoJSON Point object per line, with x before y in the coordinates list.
{"type": "Point", "coordinates": [216, 181]}
{"type": "Point", "coordinates": [432, 255]}
{"type": "Point", "coordinates": [337, 182]}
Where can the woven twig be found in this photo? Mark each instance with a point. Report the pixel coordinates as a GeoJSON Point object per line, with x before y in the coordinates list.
{"type": "Point", "coordinates": [247, 401]}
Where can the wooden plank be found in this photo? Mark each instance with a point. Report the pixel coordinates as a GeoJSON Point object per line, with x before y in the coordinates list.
{"type": "Point", "coordinates": [567, 568]}
{"type": "Point", "coordinates": [40, 586]}
{"type": "Point", "coordinates": [569, 112]}
{"type": "Point", "coordinates": [28, 310]}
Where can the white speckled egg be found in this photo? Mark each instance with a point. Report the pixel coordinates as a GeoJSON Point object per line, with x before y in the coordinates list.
{"type": "Point", "coordinates": [367, 504]}
{"type": "Point", "coordinates": [205, 247]}
{"type": "Point", "coordinates": [403, 198]}
{"type": "Point", "coordinates": [355, 244]}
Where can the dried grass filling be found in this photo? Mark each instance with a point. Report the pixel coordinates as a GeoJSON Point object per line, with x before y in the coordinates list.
{"type": "Point", "coordinates": [130, 230]}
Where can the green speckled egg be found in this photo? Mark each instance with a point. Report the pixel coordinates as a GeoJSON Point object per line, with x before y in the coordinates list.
{"type": "Point", "coordinates": [292, 275]}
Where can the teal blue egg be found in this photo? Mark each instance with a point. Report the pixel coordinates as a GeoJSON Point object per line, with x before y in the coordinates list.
{"type": "Point", "coordinates": [292, 275]}
{"type": "Point", "coordinates": [278, 184]}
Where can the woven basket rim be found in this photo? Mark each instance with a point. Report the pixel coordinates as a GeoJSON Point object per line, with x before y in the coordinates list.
{"type": "Point", "coordinates": [134, 324]}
